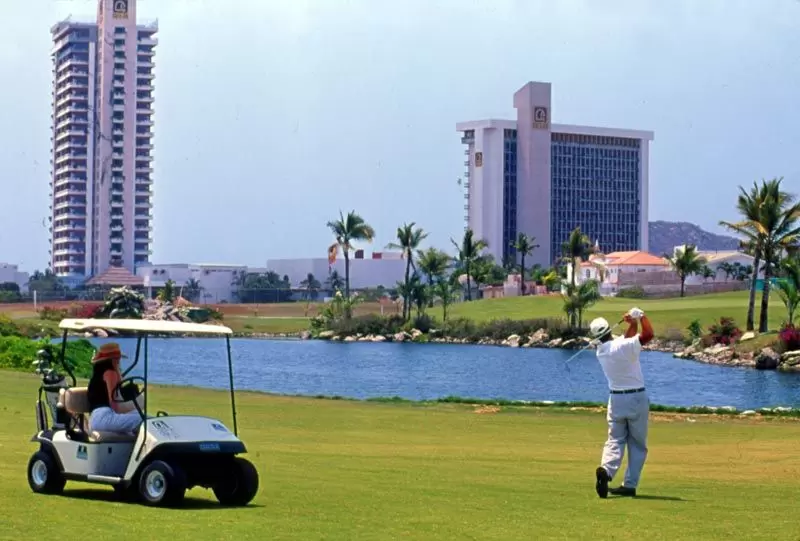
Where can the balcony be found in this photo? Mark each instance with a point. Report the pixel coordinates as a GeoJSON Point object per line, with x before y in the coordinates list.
{"type": "Point", "coordinates": [68, 251]}
{"type": "Point", "coordinates": [142, 170]}
{"type": "Point", "coordinates": [72, 72]}
{"type": "Point", "coordinates": [147, 228]}
{"type": "Point", "coordinates": [72, 190]}
{"type": "Point", "coordinates": [119, 107]}
{"type": "Point", "coordinates": [144, 204]}
{"type": "Point", "coordinates": [119, 84]}
{"type": "Point", "coordinates": [75, 226]}
{"type": "Point", "coordinates": [147, 41]}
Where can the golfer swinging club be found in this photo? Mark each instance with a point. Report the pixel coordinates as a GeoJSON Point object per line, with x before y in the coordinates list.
{"type": "Point", "coordinates": [628, 404]}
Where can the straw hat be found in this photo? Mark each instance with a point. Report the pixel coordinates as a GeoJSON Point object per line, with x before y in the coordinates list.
{"type": "Point", "coordinates": [108, 351]}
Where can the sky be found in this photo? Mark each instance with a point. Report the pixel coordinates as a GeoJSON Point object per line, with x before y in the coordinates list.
{"type": "Point", "coordinates": [271, 116]}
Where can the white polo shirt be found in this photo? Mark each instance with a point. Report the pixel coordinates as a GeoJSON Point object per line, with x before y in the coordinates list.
{"type": "Point", "coordinates": [619, 359]}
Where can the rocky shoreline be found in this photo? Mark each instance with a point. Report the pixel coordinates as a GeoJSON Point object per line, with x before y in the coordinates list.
{"type": "Point", "coordinates": [719, 354]}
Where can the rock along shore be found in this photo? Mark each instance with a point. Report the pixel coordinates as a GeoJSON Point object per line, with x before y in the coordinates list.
{"type": "Point", "coordinates": [720, 354]}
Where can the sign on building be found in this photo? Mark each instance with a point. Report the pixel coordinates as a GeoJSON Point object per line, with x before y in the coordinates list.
{"type": "Point", "coordinates": [120, 9]}
{"type": "Point", "coordinates": [541, 118]}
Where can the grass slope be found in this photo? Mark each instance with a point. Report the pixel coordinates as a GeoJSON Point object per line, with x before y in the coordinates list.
{"type": "Point", "coordinates": [665, 314]}
{"type": "Point", "coordinates": [354, 470]}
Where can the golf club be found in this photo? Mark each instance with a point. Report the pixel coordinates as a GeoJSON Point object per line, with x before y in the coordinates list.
{"type": "Point", "coordinates": [591, 343]}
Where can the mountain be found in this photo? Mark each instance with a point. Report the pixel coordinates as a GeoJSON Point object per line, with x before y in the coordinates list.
{"type": "Point", "coordinates": [664, 236]}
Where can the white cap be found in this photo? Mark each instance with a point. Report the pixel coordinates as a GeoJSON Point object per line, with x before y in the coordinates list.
{"type": "Point", "coordinates": [598, 327]}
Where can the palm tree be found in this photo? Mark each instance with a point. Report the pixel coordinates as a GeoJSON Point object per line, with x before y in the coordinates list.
{"type": "Point", "coordinates": [751, 206]}
{"type": "Point", "coordinates": [468, 252]}
{"type": "Point", "coordinates": [311, 286]}
{"type": "Point", "coordinates": [346, 230]}
{"type": "Point", "coordinates": [408, 240]}
{"type": "Point", "coordinates": [433, 264]}
{"type": "Point", "coordinates": [685, 262]}
{"type": "Point", "coordinates": [193, 289]}
{"type": "Point", "coordinates": [579, 298]}
{"type": "Point", "coordinates": [445, 291]}
{"type": "Point", "coordinates": [334, 282]}
{"type": "Point", "coordinates": [577, 248]}
{"type": "Point", "coordinates": [524, 246]}
{"type": "Point", "coordinates": [789, 289]}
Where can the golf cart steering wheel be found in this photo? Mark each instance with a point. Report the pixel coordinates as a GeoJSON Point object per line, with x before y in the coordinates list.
{"type": "Point", "coordinates": [128, 390]}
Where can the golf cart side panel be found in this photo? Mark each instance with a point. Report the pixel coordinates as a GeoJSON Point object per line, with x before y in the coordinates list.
{"type": "Point", "coordinates": [92, 458]}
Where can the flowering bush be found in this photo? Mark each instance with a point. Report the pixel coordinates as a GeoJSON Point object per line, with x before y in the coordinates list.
{"type": "Point", "coordinates": [789, 338]}
{"type": "Point", "coordinates": [52, 313]}
{"type": "Point", "coordinates": [725, 332]}
{"type": "Point", "coordinates": [85, 310]}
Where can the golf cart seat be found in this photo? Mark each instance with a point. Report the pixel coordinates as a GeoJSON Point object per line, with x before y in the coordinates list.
{"type": "Point", "coordinates": [76, 401]}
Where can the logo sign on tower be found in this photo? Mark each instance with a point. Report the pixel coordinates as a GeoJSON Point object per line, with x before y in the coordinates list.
{"type": "Point", "coordinates": [120, 9]}
{"type": "Point", "coordinates": [478, 159]}
{"type": "Point", "coordinates": [541, 120]}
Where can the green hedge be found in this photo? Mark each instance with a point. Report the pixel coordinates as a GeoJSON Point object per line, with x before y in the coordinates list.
{"type": "Point", "coordinates": [18, 353]}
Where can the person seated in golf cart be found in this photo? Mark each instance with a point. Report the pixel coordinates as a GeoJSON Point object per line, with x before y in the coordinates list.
{"type": "Point", "coordinates": [108, 415]}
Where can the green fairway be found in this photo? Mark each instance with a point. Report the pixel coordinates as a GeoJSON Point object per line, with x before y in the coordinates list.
{"type": "Point", "coordinates": [266, 325]}
{"type": "Point", "coordinates": [673, 314]}
{"type": "Point", "coordinates": [362, 470]}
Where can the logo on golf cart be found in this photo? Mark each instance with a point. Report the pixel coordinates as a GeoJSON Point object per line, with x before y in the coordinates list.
{"type": "Point", "coordinates": [218, 427]}
{"type": "Point", "coordinates": [540, 120]}
{"type": "Point", "coordinates": [83, 453]}
{"type": "Point", "coordinates": [163, 429]}
{"type": "Point", "coordinates": [208, 446]}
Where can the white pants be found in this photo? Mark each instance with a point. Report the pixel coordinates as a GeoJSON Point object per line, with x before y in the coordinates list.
{"type": "Point", "coordinates": [108, 420]}
{"type": "Point", "coordinates": [627, 426]}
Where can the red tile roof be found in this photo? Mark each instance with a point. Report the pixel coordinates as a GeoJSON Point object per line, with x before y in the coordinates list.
{"type": "Point", "coordinates": [638, 258]}
{"type": "Point", "coordinates": [116, 276]}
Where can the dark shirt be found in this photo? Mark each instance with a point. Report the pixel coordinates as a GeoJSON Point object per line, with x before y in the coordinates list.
{"type": "Point", "coordinates": [97, 392]}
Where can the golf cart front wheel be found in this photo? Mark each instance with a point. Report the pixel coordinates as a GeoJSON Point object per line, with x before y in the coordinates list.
{"type": "Point", "coordinates": [239, 486]}
{"type": "Point", "coordinates": [44, 477]}
{"type": "Point", "coordinates": [161, 484]}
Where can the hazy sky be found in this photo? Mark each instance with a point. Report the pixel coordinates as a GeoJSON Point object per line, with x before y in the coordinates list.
{"type": "Point", "coordinates": [271, 115]}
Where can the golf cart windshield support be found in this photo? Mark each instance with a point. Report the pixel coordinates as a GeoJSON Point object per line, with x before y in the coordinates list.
{"type": "Point", "coordinates": [135, 356]}
{"type": "Point", "coordinates": [144, 421]}
{"type": "Point", "coordinates": [64, 362]}
{"type": "Point", "coordinates": [230, 378]}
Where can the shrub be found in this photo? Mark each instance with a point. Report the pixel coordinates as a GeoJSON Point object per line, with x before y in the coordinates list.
{"type": "Point", "coordinates": [85, 310]}
{"type": "Point", "coordinates": [695, 330]}
{"type": "Point", "coordinates": [18, 353]}
{"type": "Point", "coordinates": [725, 332]}
{"type": "Point", "coordinates": [366, 324]}
{"type": "Point", "coordinates": [633, 292]}
{"type": "Point", "coordinates": [51, 313]}
{"type": "Point", "coordinates": [674, 335]}
{"type": "Point", "coordinates": [789, 338]}
{"type": "Point", "coordinates": [423, 322]}
{"type": "Point", "coordinates": [500, 329]}
{"type": "Point", "coordinates": [8, 327]}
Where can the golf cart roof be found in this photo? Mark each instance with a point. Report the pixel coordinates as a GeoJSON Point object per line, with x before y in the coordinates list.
{"type": "Point", "coordinates": [143, 325]}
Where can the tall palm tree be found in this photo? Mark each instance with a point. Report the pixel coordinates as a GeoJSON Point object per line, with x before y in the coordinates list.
{"type": "Point", "coordinates": [468, 252]}
{"type": "Point", "coordinates": [685, 262]}
{"type": "Point", "coordinates": [524, 246]}
{"type": "Point", "coordinates": [770, 228]}
{"type": "Point", "coordinates": [408, 240]}
{"type": "Point", "coordinates": [577, 248]}
{"type": "Point", "coordinates": [750, 205]}
{"type": "Point", "coordinates": [346, 230]}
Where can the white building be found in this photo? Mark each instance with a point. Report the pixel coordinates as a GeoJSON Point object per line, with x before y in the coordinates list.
{"type": "Point", "coordinates": [382, 269]}
{"type": "Point", "coordinates": [621, 269]}
{"type": "Point", "coordinates": [11, 273]}
{"type": "Point", "coordinates": [102, 142]}
{"type": "Point", "coordinates": [530, 176]}
{"type": "Point", "coordinates": [717, 259]}
{"type": "Point", "coordinates": [217, 282]}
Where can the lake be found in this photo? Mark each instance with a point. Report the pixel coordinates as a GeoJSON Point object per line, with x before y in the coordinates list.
{"type": "Point", "coordinates": [428, 371]}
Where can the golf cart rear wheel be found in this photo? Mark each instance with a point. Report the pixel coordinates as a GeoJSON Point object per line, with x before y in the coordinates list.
{"type": "Point", "coordinates": [162, 484]}
{"type": "Point", "coordinates": [44, 477]}
{"type": "Point", "coordinates": [240, 485]}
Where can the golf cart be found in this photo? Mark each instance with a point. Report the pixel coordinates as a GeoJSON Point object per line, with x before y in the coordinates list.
{"type": "Point", "coordinates": [168, 455]}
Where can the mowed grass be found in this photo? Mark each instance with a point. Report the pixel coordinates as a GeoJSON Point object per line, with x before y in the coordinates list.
{"type": "Point", "coordinates": [267, 325]}
{"type": "Point", "coordinates": [365, 470]}
{"type": "Point", "coordinates": [665, 314]}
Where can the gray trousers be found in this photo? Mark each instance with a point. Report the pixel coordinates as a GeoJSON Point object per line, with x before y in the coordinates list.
{"type": "Point", "coordinates": [627, 425]}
